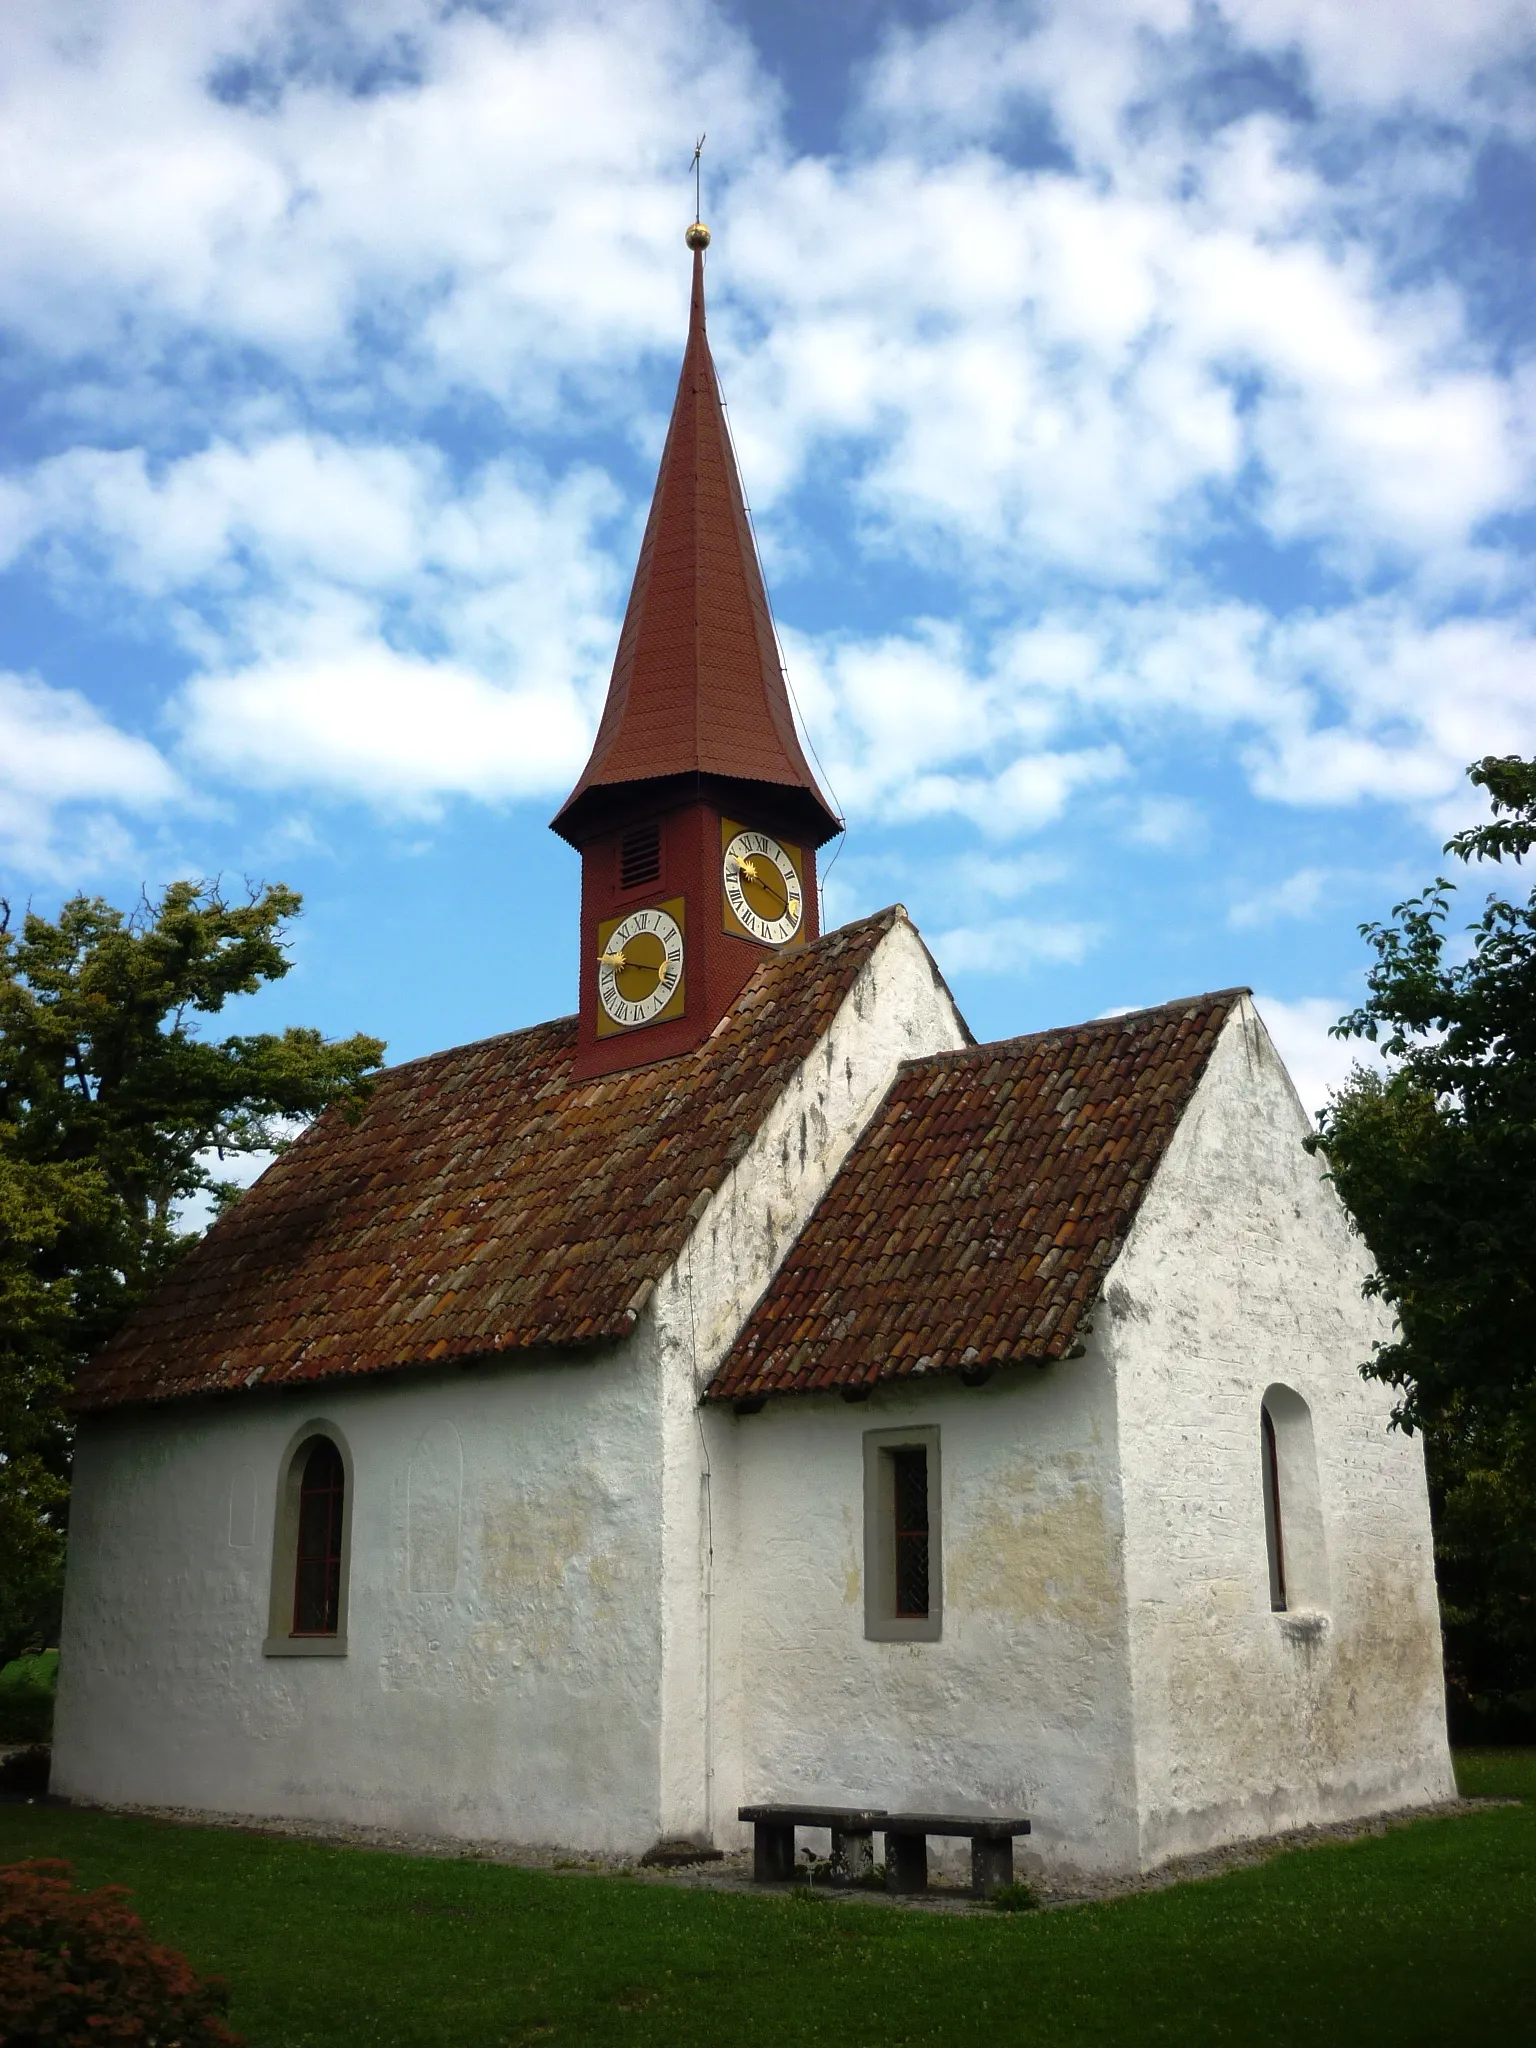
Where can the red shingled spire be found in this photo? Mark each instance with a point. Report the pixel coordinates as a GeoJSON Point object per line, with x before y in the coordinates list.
{"type": "Point", "coordinates": [697, 690]}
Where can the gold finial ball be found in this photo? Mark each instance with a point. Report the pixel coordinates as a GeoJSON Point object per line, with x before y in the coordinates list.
{"type": "Point", "coordinates": [697, 236]}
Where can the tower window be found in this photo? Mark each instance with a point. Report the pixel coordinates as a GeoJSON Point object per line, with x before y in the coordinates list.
{"type": "Point", "coordinates": [640, 855]}
{"type": "Point", "coordinates": [902, 1578]}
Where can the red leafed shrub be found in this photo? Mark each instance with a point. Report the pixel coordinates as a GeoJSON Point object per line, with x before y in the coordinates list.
{"type": "Point", "coordinates": [78, 1968]}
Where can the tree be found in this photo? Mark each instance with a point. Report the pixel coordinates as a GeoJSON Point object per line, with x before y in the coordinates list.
{"type": "Point", "coordinates": [112, 1107]}
{"type": "Point", "coordinates": [1436, 1159]}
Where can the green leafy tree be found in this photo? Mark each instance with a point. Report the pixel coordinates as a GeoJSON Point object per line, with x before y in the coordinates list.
{"type": "Point", "coordinates": [1436, 1159]}
{"type": "Point", "coordinates": [112, 1106]}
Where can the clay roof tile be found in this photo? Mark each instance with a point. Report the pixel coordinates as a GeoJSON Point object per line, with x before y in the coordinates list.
{"type": "Point", "coordinates": [483, 1203]}
{"type": "Point", "coordinates": [1060, 1193]}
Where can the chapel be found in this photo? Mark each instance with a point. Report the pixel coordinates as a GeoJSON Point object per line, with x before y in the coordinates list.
{"type": "Point", "coordinates": [752, 1389]}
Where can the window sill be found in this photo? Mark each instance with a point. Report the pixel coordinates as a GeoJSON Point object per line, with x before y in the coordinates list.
{"type": "Point", "coordinates": [890, 1630]}
{"type": "Point", "coordinates": [304, 1646]}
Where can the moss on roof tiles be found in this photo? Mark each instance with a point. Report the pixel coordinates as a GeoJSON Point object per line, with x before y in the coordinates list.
{"type": "Point", "coordinates": [1052, 1205]}
{"type": "Point", "coordinates": [483, 1203]}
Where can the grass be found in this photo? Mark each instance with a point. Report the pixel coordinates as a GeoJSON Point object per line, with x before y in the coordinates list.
{"type": "Point", "coordinates": [1427, 1934]}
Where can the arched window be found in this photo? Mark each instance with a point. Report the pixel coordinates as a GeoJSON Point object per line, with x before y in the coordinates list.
{"type": "Point", "coordinates": [1274, 1531]}
{"type": "Point", "coordinates": [317, 1565]}
{"type": "Point", "coordinates": [1293, 1511]}
{"type": "Point", "coordinates": [311, 1539]}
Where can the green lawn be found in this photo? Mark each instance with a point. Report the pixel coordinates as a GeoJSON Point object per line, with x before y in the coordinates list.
{"type": "Point", "coordinates": [1427, 1934]}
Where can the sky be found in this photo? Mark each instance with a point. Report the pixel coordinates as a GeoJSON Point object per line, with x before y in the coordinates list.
{"type": "Point", "coordinates": [1136, 400]}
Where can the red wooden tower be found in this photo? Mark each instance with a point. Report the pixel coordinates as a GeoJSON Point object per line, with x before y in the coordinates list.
{"type": "Point", "coordinates": [697, 816]}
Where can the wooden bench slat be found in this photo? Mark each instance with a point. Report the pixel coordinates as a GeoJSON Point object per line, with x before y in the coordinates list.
{"type": "Point", "coordinates": [845, 1817]}
{"type": "Point", "coordinates": [851, 1819]}
{"type": "Point", "coordinates": [958, 1823]}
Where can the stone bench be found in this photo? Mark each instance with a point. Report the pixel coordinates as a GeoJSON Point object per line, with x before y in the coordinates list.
{"type": "Point", "coordinates": [906, 1843]}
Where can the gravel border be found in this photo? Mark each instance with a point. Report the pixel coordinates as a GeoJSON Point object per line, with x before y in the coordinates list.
{"type": "Point", "coordinates": [733, 1871]}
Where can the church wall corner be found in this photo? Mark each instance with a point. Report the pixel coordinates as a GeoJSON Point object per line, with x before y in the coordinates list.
{"type": "Point", "coordinates": [1242, 1273]}
{"type": "Point", "coordinates": [898, 1008]}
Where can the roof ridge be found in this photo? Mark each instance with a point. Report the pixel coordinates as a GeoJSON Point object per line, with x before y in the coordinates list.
{"type": "Point", "coordinates": [444, 1052]}
{"type": "Point", "coordinates": [1119, 1017]}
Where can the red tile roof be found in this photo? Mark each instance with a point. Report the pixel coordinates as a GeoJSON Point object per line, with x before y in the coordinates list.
{"type": "Point", "coordinates": [975, 1220]}
{"type": "Point", "coordinates": [483, 1203]}
{"type": "Point", "coordinates": [697, 688]}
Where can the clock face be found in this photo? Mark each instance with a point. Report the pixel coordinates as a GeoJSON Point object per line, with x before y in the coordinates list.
{"type": "Point", "coordinates": [763, 887]}
{"type": "Point", "coordinates": [639, 967]}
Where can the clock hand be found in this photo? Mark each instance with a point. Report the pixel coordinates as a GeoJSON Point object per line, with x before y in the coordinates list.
{"type": "Point", "coordinates": [750, 868]}
{"type": "Point", "coordinates": [619, 961]}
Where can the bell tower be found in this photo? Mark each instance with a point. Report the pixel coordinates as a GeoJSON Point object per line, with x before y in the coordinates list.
{"type": "Point", "coordinates": [697, 817]}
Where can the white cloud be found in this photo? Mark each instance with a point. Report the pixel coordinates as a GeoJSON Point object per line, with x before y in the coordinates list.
{"type": "Point", "coordinates": [1073, 367]}
{"type": "Point", "coordinates": [1366, 701]}
{"type": "Point", "coordinates": [909, 728]}
{"type": "Point", "coordinates": [1000, 878]}
{"type": "Point", "coordinates": [1011, 945]}
{"type": "Point", "coordinates": [1095, 64]}
{"type": "Point", "coordinates": [306, 504]}
{"type": "Point", "coordinates": [64, 767]}
{"type": "Point", "coordinates": [1164, 821]}
{"type": "Point", "coordinates": [1374, 53]}
{"type": "Point", "coordinates": [209, 166]}
{"type": "Point", "coordinates": [1042, 371]}
{"type": "Point", "coordinates": [387, 728]}
{"type": "Point", "coordinates": [1299, 896]}
{"type": "Point", "coordinates": [289, 565]}
{"type": "Point", "coordinates": [1047, 385]}
{"type": "Point", "coordinates": [1047, 365]}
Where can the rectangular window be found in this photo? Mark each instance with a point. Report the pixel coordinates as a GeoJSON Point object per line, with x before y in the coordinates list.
{"type": "Point", "coordinates": [909, 1486]}
{"type": "Point", "coordinates": [640, 856]}
{"type": "Point", "coordinates": [902, 1577]}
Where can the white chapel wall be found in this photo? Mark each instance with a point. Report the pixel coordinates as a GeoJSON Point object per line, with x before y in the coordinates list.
{"type": "Point", "coordinates": [897, 1009]}
{"type": "Point", "coordinates": [1241, 1273]}
{"type": "Point", "coordinates": [1023, 1703]}
{"type": "Point", "coordinates": [503, 1669]}
{"type": "Point", "coordinates": [530, 1590]}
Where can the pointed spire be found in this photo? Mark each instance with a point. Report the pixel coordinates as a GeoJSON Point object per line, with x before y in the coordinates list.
{"type": "Point", "coordinates": [697, 688]}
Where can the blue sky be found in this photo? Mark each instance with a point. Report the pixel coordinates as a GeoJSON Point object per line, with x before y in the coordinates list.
{"type": "Point", "coordinates": [1137, 403]}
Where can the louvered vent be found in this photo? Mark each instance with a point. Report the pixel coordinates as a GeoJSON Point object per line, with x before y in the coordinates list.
{"type": "Point", "coordinates": [640, 856]}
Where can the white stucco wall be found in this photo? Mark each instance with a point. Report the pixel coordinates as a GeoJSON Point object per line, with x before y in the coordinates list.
{"type": "Point", "coordinates": [1241, 1272]}
{"type": "Point", "coordinates": [585, 1611]}
{"type": "Point", "coordinates": [1023, 1704]}
{"type": "Point", "coordinates": [530, 1584]}
{"type": "Point", "coordinates": [503, 1667]}
{"type": "Point", "coordinates": [897, 1009]}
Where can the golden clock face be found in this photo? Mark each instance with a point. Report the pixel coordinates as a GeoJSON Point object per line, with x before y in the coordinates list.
{"type": "Point", "coordinates": [764, 894]}
{"type": "Point", "coordinates": [640, 968]}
